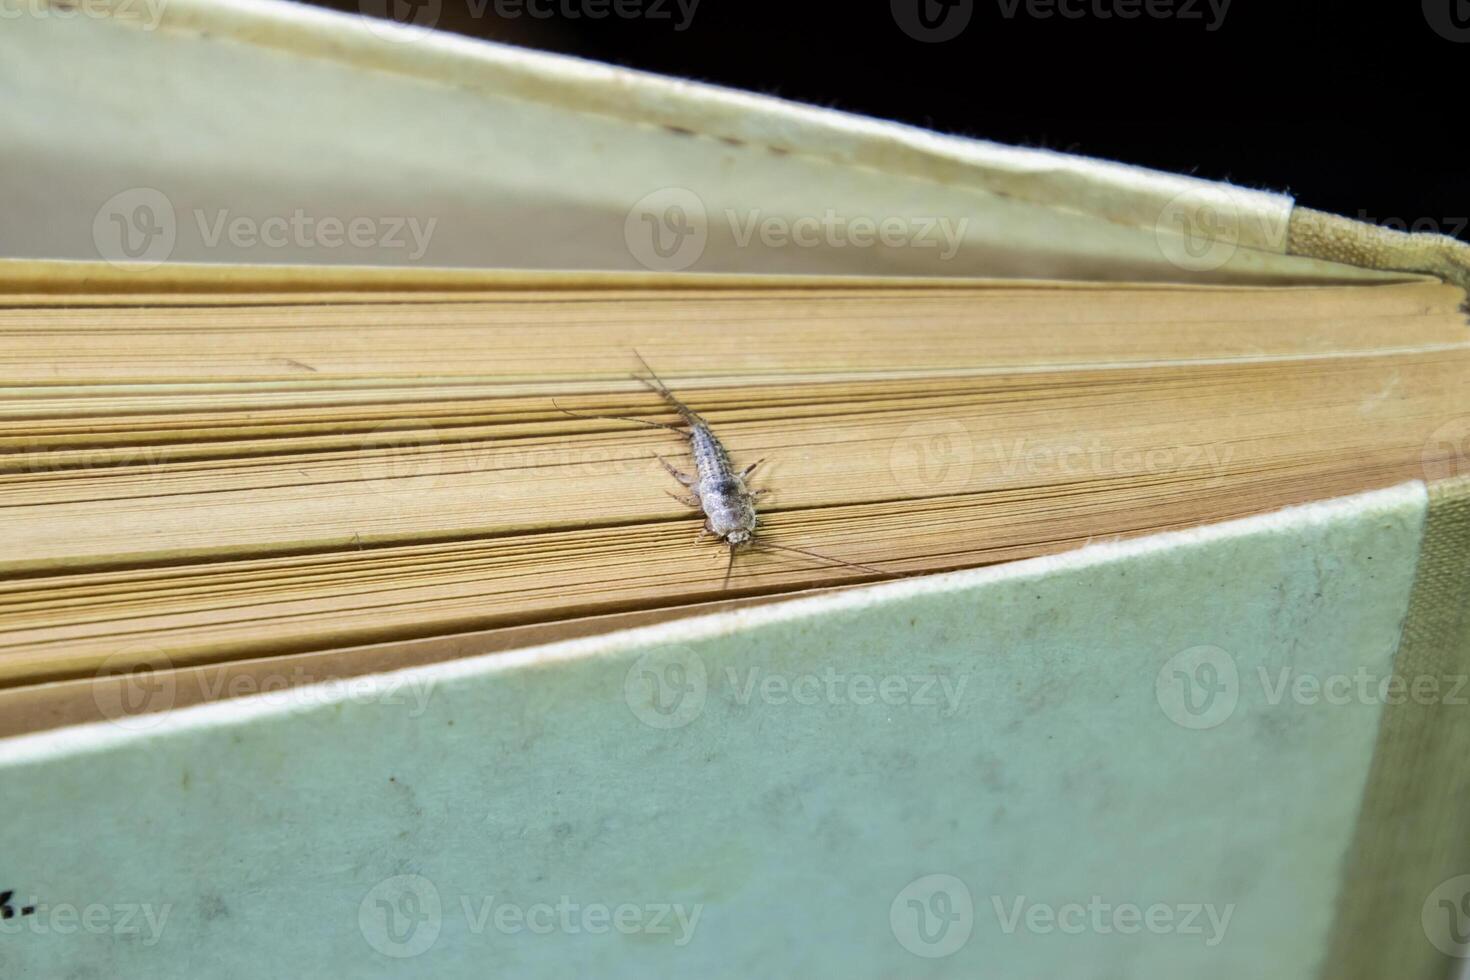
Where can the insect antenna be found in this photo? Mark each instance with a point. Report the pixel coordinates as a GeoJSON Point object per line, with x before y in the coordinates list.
{"type": "Point", "coordinates": [657, 382]}
{"type": "Point", "coordinates": [729, 568]}
{"type": "Point", "coordinates": [619, 418]}
{"type": "Point", "coordinates": [813, 554]}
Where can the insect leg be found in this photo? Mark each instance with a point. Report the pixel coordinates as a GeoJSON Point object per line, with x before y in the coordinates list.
{"type": "Point", "coordinates": [687, 499]}
{"type": "Point", "coordinates": [751, 468]}
{"type": "Point", "coordinates": [683, 478]}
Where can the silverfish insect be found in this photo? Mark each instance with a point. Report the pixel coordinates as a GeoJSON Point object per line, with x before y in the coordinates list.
{"type": "Point", "coordinates": [719, 490]}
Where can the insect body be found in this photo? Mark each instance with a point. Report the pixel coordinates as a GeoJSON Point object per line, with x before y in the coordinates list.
{"type": "Point", "coordinates": [719, 490]}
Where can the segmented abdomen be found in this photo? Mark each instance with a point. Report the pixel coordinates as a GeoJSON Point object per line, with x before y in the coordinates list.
{"type": "Point", "coordinates": [710, 458]}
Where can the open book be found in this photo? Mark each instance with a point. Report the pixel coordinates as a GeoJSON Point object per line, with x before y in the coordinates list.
{"type": "Point", "coordinates": [209, 479]}
{"type": "Point", "coordinates": [1112, 615]}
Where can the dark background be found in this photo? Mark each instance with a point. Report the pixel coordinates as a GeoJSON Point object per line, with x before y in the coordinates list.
{"type": "Point", "coordinates": [1355, 109]}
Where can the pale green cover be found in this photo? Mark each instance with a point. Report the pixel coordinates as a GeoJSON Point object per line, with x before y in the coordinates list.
{"type": "Point", "coordinates": [202, 112]}
{"type": "Point", "coordinates": [1026, 736]}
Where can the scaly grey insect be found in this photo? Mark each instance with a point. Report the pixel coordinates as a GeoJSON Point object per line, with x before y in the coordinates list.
{"type": "Point", "coordinates": [718, 489]}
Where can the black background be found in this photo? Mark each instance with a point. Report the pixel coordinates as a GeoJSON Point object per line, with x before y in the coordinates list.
{"type": "Point", "coordinates": [1355, 109]}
